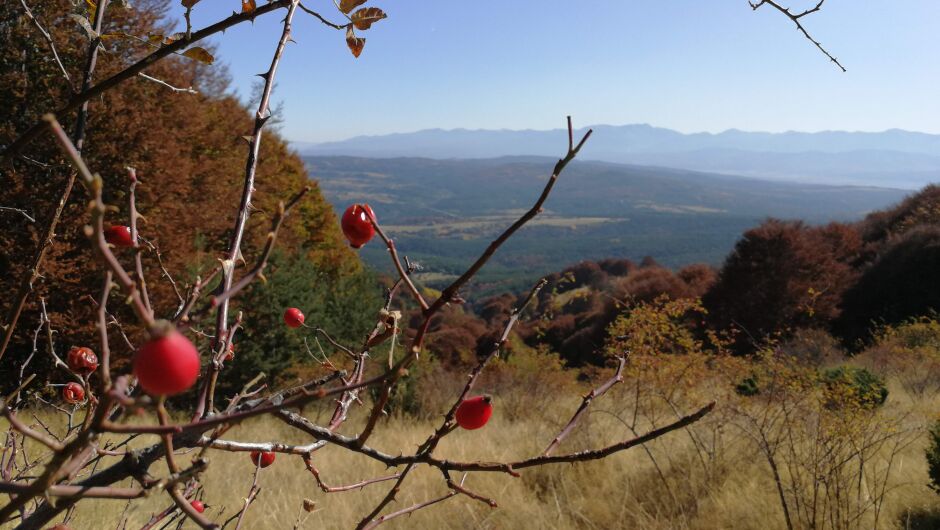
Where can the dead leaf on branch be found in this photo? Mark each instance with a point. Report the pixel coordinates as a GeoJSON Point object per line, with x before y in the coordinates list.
{"type": "Point", "coordinates": [348, 5]}
{"type": "Point", "coordinates": [156, 39]}
{"type": "Point", "coordinates": [355, 43]}
{"type": "Point", "coordinates": [199, 54]}
{"type": "Point", "coordinates": [365, 17]}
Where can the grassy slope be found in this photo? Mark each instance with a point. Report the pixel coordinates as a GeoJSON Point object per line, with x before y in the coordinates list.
{"type": "Point", "coordinates": [623, 491]}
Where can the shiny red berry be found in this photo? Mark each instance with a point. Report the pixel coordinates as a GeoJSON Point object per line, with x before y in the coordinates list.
{"type": "Point", "coordinates": [82, 360]}
{"type": "Point", "coordinates": [73, 393]}
{"type": "Point", "coordinates": [356, 225]}
{"type": "Point", "coordinates": [293, 317]}
{"type": "Point", "coordinates": [474, 412]}
{"type": "Point", "coordinates": [198, 506]}
{"type": "Point", "coordinates": [266, 458]}
{"type": "Point", "coordinates": [119, 236]}
{"type": "Point", "coordinates": [167, 364]}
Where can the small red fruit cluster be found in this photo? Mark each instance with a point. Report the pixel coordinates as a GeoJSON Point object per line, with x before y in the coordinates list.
{"type": "Point", "coordinates": [199, 506]}
{"type": "Point", "coordinates": [73, 393]}
{"type": "Point", "coordinates": [356, 225]}
{"type": "Point", "coordinates": [82, 360]}
{"type": "Point", "coordinates": [293, 317]}
{"type": "Point", "coordinates": [168, 363]}
{"type": "Point", "coordinates": [262, 458]}
{"type": "Point", "coordinates": [473, 413]}
{"type": "Point", "coordinates": [119, 236]}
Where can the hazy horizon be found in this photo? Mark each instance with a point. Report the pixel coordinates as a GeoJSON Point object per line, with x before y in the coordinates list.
{"type": "Point", "coordinates": [683, 65]}
{"type": "Point", "coordinates": [628, 124]}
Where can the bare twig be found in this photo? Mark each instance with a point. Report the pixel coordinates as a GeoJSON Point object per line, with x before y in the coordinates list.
{"type": "Point", "coordinates": [795, 17]}
{"type": "Point", "coordinates": [52, 48]}
{"type": "Point", "coordinates": [21, 211]}
{"type": "Point", "coordinates": [585, 403]}
{"type": "Point", "coordinates": [410, 509]}
{"type": "Point", "coordinates": [103, 332]}
{"type": "Point", "coordinates": [451, 290]}
{"type": "Point", "coordinates": [308, 460]}
{"type": "Point", "coordinates": [164, 83]}
{"type": "Point", "coordinates": [252, 495]}
{"type": "Point", "coordinates": [95, 184]}
{"type": "Point", "coordinates": [134, 217]}
{"type": "Point", "coordinates": [251, 164]}
{"type": "Point", "coordinates": [282, 211]}
{"type": "Point", "coordinates": [65, 490]}
{"type": "Point", "coordinates": [402, 273]}
{"type": "Point", "coordinates": [323, 20]}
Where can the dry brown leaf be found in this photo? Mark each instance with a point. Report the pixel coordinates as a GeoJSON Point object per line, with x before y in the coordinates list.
{"type": "Point", "coordinates": [365, 17]}
{"type": "Point", "coordinates": [355, 43]}
{"type": "Point", "coordinates": [348, 5]}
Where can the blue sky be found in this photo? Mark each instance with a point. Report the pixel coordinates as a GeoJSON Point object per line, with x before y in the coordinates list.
{"type": "Point", "coordinates": [690, 65]}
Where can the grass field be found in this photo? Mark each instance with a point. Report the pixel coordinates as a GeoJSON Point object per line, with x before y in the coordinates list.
{"type": "Point", "coordinates": [663, 485]}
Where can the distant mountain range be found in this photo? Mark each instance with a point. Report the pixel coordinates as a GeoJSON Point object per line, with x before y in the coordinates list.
{"type": "Point", "coordinates": [443, 213]}
{"type": "Point", "coordinates": [893, 158]}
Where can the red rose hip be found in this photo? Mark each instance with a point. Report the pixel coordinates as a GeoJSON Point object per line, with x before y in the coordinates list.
{"type": "Point", "coordinates": [168, 363]}
{"type": "Point", "coordinates": [82, 360]}
{"type": "Point", "coordinates": [262, 458]}
{"type": "Point", "coordinates": [198, 506]}
{"type": "Point", "coordinates": [293, 317]}
{"type": "Point", "coordinates": [119, 236]}
{"type": "Point", "coordinates": [474, 412]}
{"type": "Point", "coordinates": [356, 225]}
{"type": "Point", "coordinates": [73, 393]}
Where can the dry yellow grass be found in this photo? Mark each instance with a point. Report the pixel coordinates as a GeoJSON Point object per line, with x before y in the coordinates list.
{"type": "Point", "coordinates": [623, 491]}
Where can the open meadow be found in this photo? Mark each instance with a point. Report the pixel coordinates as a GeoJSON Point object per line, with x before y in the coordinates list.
{"type": "Point", "coordinates": [712, 475]}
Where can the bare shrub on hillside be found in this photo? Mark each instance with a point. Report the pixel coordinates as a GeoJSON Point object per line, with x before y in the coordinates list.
{"type": "Point", "coordinates": [830, 449]}
{"type": "Point", "coordinates": [910, 353]}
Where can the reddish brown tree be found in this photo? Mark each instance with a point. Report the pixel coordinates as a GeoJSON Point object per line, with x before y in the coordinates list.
{"type": "Point", "coordinates": [782, 275]}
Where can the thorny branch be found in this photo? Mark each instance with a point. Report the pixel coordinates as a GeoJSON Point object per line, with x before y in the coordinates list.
{"type": "Point", "coordinates": [795, 17]}
{"type": "Point", "coordinates": [234, 250]}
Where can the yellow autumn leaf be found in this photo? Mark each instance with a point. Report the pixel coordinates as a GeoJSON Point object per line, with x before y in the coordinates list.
{"type": "Point", "coordinates": [199, 54]}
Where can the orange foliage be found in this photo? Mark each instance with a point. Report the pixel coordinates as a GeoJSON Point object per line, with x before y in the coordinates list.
{"type": "Point", "coordinates": [187, 150]}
